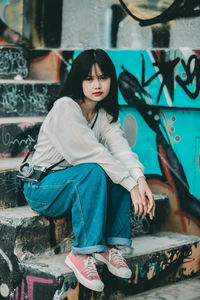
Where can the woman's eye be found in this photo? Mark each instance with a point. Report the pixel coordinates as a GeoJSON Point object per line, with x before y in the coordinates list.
{"type": "Point", "coordinates": [103, 77]}
{"type": "Point", "coordinates": [88, 78]}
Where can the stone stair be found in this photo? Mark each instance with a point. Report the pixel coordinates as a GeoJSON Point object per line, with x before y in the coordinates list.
{"type": "Point", "coordinates": [33, 247]}
{"type": "Point", "coordinates": [182, 290]}
{"type": "Point", "coordinates": [165, 260]}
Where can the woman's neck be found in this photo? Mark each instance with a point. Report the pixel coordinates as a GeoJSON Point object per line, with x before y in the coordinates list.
{"type": "Point", "coordinates": [88, 110]}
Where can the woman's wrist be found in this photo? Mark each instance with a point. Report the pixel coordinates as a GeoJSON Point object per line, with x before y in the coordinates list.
{"type": "Point", "coordinates": [141, 178]}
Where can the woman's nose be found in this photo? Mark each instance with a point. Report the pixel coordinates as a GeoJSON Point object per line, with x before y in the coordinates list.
{"type": "Point", "coordinates": [97, 83]}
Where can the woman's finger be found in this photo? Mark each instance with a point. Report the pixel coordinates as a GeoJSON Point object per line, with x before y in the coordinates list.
{"type": "Point", "coordinates": [144, 211]}
{"type": "Point", "coordinates": [135, 208]}
{"type": "Point", "coordinates": [152, 212]}
{"type": "Point", "coordinates": [151, 202]}
{"type": "Point", "coordinates": [151, 215]}
{"type": "Point", "coordinates": [140, 209]}
{"type": "Point", "coordinates": [154, 207]}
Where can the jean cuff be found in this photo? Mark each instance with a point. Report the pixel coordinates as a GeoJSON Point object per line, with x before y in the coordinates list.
{"type": "Point", "coordinates": [88, 250]}
{"type": "Point", "coordinates": [118, 241]}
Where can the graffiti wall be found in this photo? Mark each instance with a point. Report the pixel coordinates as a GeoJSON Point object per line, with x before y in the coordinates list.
{"type": "Point", "coordinates": [122, 24]}
{"type": "Point", "coordinates": [130, 24]}
{"type": "Point", "coordinates": [155, 48]}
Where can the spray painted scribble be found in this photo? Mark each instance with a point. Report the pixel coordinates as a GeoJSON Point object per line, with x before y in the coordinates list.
{"type": "Point", "coordinates": [15, 140]}
{"type": "Point", "coordinates": [168, 11]}
{"type": "Point", "coordinates": [4, 259]}
{"type": "Point", "coordinates": [28, 288]}
{"type": "Point", "coordinates": [13, 62]}
{"type": "Point", "coordinates": [192, 71]}
{"type": "Point", "coordinates": [25, 99]}
{"type": "Point", "coordinates": [166, 68]}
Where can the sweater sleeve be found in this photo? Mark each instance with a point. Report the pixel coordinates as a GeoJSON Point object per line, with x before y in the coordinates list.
{"type": "Point", "coordinates": [66, 128]}
{"type": "Point", "coordinates": [114, 140]}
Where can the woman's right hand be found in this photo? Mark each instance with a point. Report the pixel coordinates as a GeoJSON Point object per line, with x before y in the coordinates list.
{"type": "Point", "coordinates": [144, 203]}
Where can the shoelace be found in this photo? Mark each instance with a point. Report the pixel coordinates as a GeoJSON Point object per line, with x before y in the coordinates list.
{"type": "Point", "coordinates": [89, 266]}
{"type": "Point", "coordinates": [117, 257]}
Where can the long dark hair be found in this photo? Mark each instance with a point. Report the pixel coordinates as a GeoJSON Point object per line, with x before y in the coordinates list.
{"type": "Point", "coordinates": [80, 69]}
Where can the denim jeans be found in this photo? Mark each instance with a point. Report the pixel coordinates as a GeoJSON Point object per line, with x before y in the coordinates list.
{"type": "Point", "coordinates": [100, 209]}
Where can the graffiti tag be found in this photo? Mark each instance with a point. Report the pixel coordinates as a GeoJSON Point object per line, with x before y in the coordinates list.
{"type": "Point", "coordinates": [7, 139]}
{"type": "Point", "coordinates": [178, 9]}
{"type": "Point", "coordinates": [20, 99]}
{"type": "Point", "coordinates": [31, 281]}
{"type": "Point", "coordinates": [191, 74]}
{"type": "Point", "coordinates": [4, 289]}
{"type": "Point", "coordinates": [166, 69]}
{"type": "Point", "coordinates": [12, 62]}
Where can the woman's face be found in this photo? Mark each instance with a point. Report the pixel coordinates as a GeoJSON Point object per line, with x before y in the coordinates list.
{"type": "Point", "coordinates": [96, 86]}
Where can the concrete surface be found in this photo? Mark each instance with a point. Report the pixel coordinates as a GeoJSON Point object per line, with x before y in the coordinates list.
{"type": "Point", "coordinates": [183, 290]}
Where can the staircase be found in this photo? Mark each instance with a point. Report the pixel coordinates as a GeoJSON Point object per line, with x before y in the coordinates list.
{"type": "Point", "coordinates": [32, 247]}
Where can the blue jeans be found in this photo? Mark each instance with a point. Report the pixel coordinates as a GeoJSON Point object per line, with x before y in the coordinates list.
{"type": "Point", "coordinates": [100, 209]}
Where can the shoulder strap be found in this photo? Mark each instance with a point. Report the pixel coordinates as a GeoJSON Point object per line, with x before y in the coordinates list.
{"type": "Point", "coordinates": [95, 120]}
{"type": "Point", "coordinates": [29, 152]}
{"type": "Point", "coordinates": [54, 165]}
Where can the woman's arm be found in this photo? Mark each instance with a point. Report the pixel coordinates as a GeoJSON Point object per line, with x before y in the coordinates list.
{"type": "Point", "coordinates": [141, 194]}
{"type": "Point", "coordinates": [113, 138]}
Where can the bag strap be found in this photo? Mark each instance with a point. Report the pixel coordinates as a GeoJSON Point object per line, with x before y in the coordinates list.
{"type": "Point", "coordinates": [29, 152]}
{"type": "Point", "coordinates": [56, 164]}
{"type": "Point", "coordinates": [95, 120]}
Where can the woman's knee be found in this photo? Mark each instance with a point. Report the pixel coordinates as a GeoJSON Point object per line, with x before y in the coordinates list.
{"type": "Point", "coordinates": [97, 171]}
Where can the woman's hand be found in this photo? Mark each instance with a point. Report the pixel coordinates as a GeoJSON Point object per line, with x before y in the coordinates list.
{"type": "Point", "coordinates": [142, 199]}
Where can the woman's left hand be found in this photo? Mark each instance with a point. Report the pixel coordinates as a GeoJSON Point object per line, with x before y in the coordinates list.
{"type": "Point", "coordinates": [147, 197]}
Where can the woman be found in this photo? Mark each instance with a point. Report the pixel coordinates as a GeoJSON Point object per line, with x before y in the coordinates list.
{"type": "Point", "coordinates": [99, 174]}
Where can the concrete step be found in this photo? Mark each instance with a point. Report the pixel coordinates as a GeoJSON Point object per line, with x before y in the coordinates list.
{"type": "Point", "coordinates": [29, 233]}
{"type": "Point", "coordinates": [14, 62]}
{"type": "Point", "coordinates": [11, 189]}
{"type": "Point", "coordinates": [25, 98]}
{"type": "Point", "coordinates": [157, 259]}
{"type": "Point", "coordinates": [183, 290]}
{"type": "Point", "coordinates": [144, 226]}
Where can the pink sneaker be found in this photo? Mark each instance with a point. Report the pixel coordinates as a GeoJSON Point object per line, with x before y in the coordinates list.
{"type": "Point", "coordinates": [85, 271]}
{"type": "Point", "coordinates": [115, 262]}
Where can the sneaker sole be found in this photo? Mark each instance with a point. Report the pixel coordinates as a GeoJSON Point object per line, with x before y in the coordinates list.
{"type": "Point", "coordinates": [112, 269]}
{"type": "Point", "coordinates": [81, 279]}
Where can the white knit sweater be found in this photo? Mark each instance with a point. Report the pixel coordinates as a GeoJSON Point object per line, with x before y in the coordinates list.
{"type": "Point", "coordinates": [65, 133]}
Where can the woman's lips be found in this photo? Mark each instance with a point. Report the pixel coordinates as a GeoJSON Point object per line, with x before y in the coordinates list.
{"type": "Point", "coordinates": [97, 93]}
